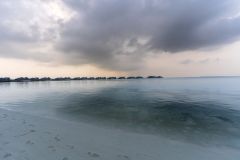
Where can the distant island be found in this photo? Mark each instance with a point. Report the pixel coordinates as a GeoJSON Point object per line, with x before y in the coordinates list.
{"type": "Point", "coordinates": [36, 79]}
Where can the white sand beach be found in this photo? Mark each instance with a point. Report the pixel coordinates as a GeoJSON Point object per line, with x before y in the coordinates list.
{"type": "Point", "coordinates": [28, 137]}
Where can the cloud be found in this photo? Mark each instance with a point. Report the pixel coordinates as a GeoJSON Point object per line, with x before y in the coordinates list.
{"type": "Point", "coordinates": [28, 28]}
{"type": "Point", "coordinates": [119, 34]}
{"type": "Point", "coordinates": [186, 61]}
{"type": "Point", "coordinates": [201, 61]}
{"type": "Point", "coordinates": [204, 61]}
{"type": "Point", "coordinates": [113, 34]}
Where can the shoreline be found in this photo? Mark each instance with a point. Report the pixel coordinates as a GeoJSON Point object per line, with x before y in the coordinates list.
{"type": "Point", "coordinates": [24, 136]}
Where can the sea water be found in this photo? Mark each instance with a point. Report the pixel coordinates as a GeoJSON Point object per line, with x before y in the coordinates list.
{"type": "Point", "coordinates": [203, 111]}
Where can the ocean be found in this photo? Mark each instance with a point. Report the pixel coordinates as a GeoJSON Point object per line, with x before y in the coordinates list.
{"type": "Point", "coordinates": [201, 111]}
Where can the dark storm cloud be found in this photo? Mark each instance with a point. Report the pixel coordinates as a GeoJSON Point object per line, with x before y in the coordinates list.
{"type": "Point", "coordinates": [117, 34]}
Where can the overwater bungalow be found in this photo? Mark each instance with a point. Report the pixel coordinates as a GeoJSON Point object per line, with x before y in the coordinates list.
{"type": "Point", "coordinates": [62, 79]}
{"type": "Point", "coordinates": [121, 78]}
{"type": "Point", "coordinates": [154, 77]}
{"type": "Point", "coordinates": [112, 78]}
{"type": "Point", "coordinates": [90, 78]}
{"type": "Point", "coordinates": [139, 77]}
{"type": "Point", "coordinates": [45, 79]}
{"type": "Point", "coordinates": [5, 79]}
{"type": "Point", "coordinates": [130, 77]}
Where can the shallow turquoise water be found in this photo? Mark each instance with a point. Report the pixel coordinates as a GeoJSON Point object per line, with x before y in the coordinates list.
{"type": "Point", "coordinates": [204, 111]}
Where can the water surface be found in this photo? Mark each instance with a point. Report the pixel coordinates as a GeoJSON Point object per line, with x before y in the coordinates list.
{"type": "Point", "coordinates": [203, 111]}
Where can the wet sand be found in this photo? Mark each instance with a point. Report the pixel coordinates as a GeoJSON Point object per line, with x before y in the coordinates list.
{"type": "Point", "coordinates": [28, 137]}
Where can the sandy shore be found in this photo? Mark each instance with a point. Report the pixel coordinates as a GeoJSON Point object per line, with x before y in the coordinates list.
{"type": "Point", "coordinates": [27, 137]}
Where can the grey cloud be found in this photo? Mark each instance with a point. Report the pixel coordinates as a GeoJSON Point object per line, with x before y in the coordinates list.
{"type": "Point", "coordinates": [204, 61]}
{"type": "Point", "coordinates": [9, 35]}
{"type": "Point", "coordinates": [118, 34]}
{"type": "Point", "coordinates": [196, 24]}
{"type": "Point", "coordinates": [201, 61]}
{"type": "Point", "coordinates": [8, 31]}
{"type": "Point", "coordinates": [22, 52]}
{"type": "Point", "coordinates": [25, 31]}
{"type": "Point", "coordinates": [187, 61]}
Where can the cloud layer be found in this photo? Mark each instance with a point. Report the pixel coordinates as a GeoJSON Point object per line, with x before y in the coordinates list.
{"type": "Point", "coordinates": [113, 34]}
{"type": "Point", "coordinates": [28, 28]}
{"type": "Point", "coordinates": [119, 34]}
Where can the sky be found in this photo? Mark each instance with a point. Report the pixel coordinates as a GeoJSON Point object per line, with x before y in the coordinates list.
{"type": "Point", "coordinates": [119, 37]}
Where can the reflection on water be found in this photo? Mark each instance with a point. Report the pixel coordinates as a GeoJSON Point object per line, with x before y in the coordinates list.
{"type": "Point", "coordinates": [199, 122]}
{"type": "Point", "coordinates": [202, 111]}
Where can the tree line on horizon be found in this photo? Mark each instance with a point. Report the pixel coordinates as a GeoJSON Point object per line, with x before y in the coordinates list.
{"type": "Point", "coordinates": [34, 79]}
